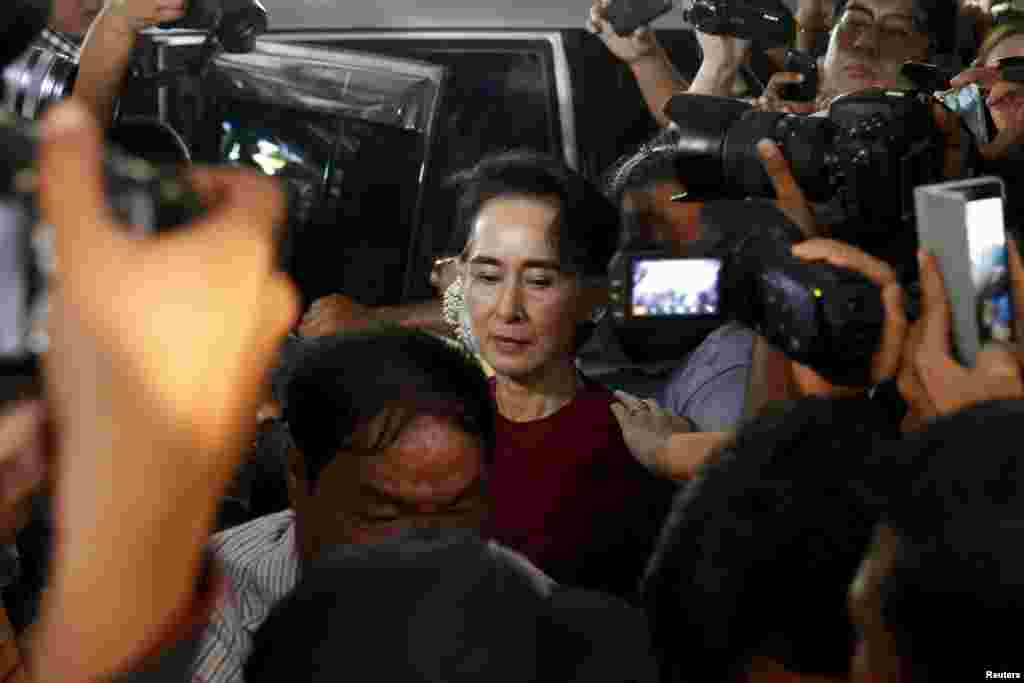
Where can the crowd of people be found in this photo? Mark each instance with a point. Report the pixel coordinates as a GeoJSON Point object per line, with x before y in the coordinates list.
{"type": "Point", "coordinates": [219, 487]}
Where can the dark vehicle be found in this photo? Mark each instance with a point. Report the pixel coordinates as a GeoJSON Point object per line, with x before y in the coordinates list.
{"type": "Point", "coordinates": [364, 124]}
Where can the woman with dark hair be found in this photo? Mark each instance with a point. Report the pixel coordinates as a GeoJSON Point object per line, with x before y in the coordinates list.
{"type": "Point", "coordinates": [523, 295]}
{"type": "Point", "coordinates": [567, 492]}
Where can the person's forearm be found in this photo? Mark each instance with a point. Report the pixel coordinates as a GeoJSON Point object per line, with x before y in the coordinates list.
{"type": "Point", "coordinates": [686, 452]}
{"type": "Point", "coordinates": [659, 81]}
{"type": "Point", "coordinates": [715, 77]}
{"type": "Point", "coordinates": [424, 315]}
{"type": "Point", "coordinates": [122, 571]}
{"type": "Point", "coordinates": [103, 65]}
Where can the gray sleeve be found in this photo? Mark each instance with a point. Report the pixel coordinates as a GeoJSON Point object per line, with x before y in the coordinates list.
{"type": "Point", "coordinates": [717, 406]}
{"type": "Point", "coordinates": [711, 387]}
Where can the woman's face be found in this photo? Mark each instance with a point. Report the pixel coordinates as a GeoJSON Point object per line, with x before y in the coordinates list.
{"type": "Point", "coordinates": [523, 307]}
{"type": "Point", "coordinates": [1006, 100]}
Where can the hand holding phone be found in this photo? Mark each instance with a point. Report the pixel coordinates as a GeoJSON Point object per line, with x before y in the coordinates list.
{"type": "Point", "coordinates": [626, 16]}
{"type": "Point", "coordinates": [962, 223]}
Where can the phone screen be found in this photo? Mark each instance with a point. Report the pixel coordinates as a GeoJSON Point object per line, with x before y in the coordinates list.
{"type": "Point", "coordinates": [986, 244]}
{"type": "Point", "coordinates": [685, 287]}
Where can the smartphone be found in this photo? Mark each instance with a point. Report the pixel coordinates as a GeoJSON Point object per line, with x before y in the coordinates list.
{"type": "Point", "coordinates": [626, 16]}
{"type": "Point", "coordinates": [962, 223]}
{"type": "Point", "coordinates": [674, 287]}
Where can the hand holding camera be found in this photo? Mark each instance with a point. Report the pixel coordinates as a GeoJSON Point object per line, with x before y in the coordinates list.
{"type": "Point", "coordinates": [886, 359]}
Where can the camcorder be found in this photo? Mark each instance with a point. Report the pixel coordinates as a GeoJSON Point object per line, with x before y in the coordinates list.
{"type": "Point", "coordinates": [743, 269]}
{"type": "Point", "coordinates": [147, 198]}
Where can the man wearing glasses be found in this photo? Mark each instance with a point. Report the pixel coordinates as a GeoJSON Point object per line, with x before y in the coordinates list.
{"type": "Point", "coordinates": [868, 42]}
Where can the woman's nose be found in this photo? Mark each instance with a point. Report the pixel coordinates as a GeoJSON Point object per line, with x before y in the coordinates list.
{"type": "Point", "coordinates": [510, 304]}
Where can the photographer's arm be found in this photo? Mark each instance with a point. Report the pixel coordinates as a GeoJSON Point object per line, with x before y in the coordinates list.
{"type": "Point", "coordinates": [107, 50]}
{"type": "Point", "coordinates": [654, 72]}
{"type": "Point", "coordinates": [722, 58]}
{"type": "Point", "coordinates": [339, 313]}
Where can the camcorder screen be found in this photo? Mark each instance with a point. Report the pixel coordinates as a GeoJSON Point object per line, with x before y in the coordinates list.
{"type": "Point", "coordinates": [986, 243]}
{"type": "Point", "coordinates": [681, 287]}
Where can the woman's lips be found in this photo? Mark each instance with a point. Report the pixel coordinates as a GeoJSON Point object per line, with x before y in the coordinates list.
{"type": "Point", "coordinates": [510, 344]}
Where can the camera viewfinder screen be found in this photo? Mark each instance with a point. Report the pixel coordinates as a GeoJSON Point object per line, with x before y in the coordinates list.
{"type": "Point", "coordinates": [986, 243]}
{"type": "Point", "coordinates": [675, 287]}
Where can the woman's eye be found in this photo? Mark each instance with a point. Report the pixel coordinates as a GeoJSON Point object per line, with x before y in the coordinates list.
{"type": "Point", "coordinates": [485, 277]}
{"type": "Point", "coordinates": [540, 283]}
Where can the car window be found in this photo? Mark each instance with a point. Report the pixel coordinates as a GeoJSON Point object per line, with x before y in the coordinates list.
{"type": "Point", "coordinates": [500, 94]}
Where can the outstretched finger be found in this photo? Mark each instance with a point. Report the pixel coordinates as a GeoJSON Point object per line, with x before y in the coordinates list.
{"type": "Point", "coordinates": [71, 182]}
{"type": "Point", "coordinates": [790, 197]}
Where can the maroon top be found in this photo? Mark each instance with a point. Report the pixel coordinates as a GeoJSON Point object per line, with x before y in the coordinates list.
{"type": "Point", "coordinates": [569, 495]}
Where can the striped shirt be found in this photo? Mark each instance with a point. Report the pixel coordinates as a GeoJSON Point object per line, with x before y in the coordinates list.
{"type": "Point", "coordinates": [260, 560]}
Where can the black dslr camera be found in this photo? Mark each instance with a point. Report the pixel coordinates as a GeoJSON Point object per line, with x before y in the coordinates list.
{"type": "Point", "coordinates": [143, 196]}
{"type": "Point", "coordinates": [866, 157]}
